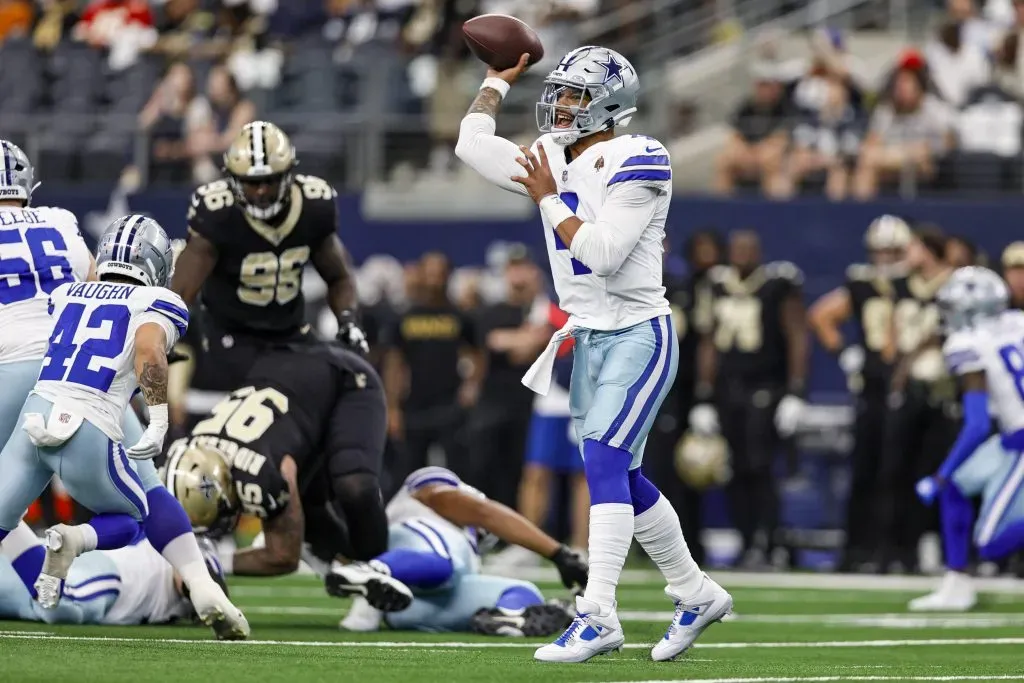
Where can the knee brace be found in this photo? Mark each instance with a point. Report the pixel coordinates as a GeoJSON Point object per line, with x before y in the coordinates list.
{"type": "Point", "coordinates": [359, 498]}
{"type": "Point", "coordinates": [606, 468]}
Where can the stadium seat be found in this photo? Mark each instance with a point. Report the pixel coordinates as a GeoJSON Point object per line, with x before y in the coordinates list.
{"type": "Point", "coordinates": [980, 173]}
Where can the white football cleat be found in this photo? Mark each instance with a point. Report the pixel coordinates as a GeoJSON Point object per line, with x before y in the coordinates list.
{"type": "Point", "coordinates": [955, 594]}
{"type": "Point", "coordinates": [373, 581]}
{"type": "Point", "coordinates": [64, 543]}
{"type": "Point", "coordinates": [361, 617]}
{"type": "Point", "coordinates": [693, 615]}
{"type": "Point", "coordinates": [590, 634]}
{"type": "Point", "coordinates": [215, 610]}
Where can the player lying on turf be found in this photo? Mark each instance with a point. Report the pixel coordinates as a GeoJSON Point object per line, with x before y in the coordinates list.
{"type": "Point", "coordinates": [304, 440]}
{"type": "Point", "coordinates": [127, 586]}
{"type": "Point", "coordinates": [985, 349]}
{"type": "Point", "coordinates": [604, 201]}
{"type": "Point", "coordinates": [47, 251]}
{"type": "Point", "coordinates": [429, 579]}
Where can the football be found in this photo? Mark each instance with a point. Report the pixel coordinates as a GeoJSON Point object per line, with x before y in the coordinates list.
{"type": "Point", "coordinates": [499, 40]}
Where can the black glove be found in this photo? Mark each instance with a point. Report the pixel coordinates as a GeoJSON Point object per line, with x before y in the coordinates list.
{"type": "Point", "coordinates": [351, 335]}
{"type": "Point", "coordinates": [176, 356]}
{"type": "Point", "coordinates": [571, 567]}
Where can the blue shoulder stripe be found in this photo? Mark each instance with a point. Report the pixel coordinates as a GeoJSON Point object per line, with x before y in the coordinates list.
{"type": "Point", "coordinates": [176, 314]}
{"type": "Point", "coordinates": [645, 160]}
{"type": "Point", "coordinates": [626, 176]}
{"type": "Point", "coordinates": [957, 358]}
{"type": "Point", "coordinates": [431, 475]}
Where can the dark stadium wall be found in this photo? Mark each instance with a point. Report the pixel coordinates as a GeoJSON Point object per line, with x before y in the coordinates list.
{"type": "Point", "coordinates": [820, 237]}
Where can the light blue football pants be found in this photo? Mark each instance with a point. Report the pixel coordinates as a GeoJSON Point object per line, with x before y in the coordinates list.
{"type": "Point", "coordinates": [450, 606]}
{"type": "Point", "coordinates": [997, 475]}
{"type": "Point", "coordinates": [93, 468]}
{"type": "Point", "coordinates": [619, 380]}
{"type": "Point", "coordinates": [91, 589]}
{"type": "Point", "coordinates": [19, 378]}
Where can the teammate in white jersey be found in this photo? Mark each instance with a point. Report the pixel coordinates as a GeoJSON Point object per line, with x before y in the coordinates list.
{"type": "Point", "coordinates": [429, 579]}
{"type": "Point", "coordinates": [985, 349]}
{"type": "Point", "coordinates": [604, 201]}
{"type": "Point", "coordinates": [127, 586]}
{"type": "Point", "coordinates": [110, 339]}
{"type": "Point", "coordinates": [44, 249]}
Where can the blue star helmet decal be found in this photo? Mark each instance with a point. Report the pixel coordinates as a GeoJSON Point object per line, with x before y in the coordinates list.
{"type": "Point", "coordinates": [612, 69]}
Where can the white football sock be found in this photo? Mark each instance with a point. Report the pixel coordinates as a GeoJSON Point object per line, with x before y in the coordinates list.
{"type": "Point", "coordinates": [611, 533]}
{"type": "Point", "coordinates": [183, 554]}
{"type": "Point", "coordinates": [20, 539]}
{"type": "Point", "coordinates": [661, 537]}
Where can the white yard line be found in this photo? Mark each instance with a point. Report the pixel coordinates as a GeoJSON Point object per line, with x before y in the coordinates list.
{"type": "Point", "coordinates": [895, 621]}
{"type": "Point", "coordinates": [934, 642]}
{"type": "Point", "coordinates": [804, 580]}
{"type": "Point", "coordinates": [809, 679]}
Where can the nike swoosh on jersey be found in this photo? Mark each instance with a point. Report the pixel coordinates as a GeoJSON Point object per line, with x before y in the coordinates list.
{"type": "Point", "coordinates": [651, 149]}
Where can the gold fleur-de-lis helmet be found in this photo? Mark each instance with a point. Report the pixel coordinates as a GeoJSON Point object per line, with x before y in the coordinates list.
{"type": "Point", "coordinates": [200, 478]}
{"type": "Point", "coordinates": [260, 167]}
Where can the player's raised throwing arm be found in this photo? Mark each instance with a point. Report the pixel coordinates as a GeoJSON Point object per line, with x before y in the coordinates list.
{"type": "Point", "coordinates": [491, 156]}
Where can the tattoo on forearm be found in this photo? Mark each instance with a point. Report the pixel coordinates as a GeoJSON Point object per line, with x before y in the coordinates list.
{"type": "Point", "coordinates": [153, 382]}
{"type": "Point", "coordinates": [487, 101]}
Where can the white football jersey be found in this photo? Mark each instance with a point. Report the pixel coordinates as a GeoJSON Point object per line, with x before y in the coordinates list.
{"type": "Point", "coordinates": [146, 588]}
{"type": "Point", "coordinates": [622, 185]}
{"type": "Point", "coordinates": [89, 367]}
{"type": "Point", "coordinates": [41, 248]}
{"type": "Point", "coordinates": [404, 508]}
{"type": "Point", "coordinates": [995, 347]}
{"type": "Point", "coordinates": [634, 293]}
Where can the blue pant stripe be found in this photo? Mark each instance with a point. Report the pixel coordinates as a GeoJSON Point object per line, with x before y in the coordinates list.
{"type": "Point", "coordinates": [443, 551]}
{"type": "Point", "coordinates": [637, 386]}
{"type": "Point", "coordinates": [115, 451]}
{"type": "Point", "coordinates": [92, 596]}
{"type": "Point", "coordinates": [653, 398]}
{"type": "Point", "coordinates": [94, 579]}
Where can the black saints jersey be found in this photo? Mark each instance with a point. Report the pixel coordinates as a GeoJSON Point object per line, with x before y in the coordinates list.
{"type": "Point", "coordinates": [286, 408]}
{"type": "Point", "coordinates": [872, 297]}
{"type": "Point", "coordinates": [748, 332]}
{"type": "Point", "coordinates": [916, 325]}
{"type": "Point", "coordinates": [256, 285]}
{"type": "Point", "coordinates": [690, 300]}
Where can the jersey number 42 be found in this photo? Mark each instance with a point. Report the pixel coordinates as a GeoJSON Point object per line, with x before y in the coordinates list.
{"type": "Point", "coordinates": [102, 337]}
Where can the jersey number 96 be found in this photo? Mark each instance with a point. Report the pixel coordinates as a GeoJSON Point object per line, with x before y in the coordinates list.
{"type": "Point", "coordinates": [266, 277]}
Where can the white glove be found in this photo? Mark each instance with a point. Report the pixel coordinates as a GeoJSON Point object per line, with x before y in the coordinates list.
{"type": "Point", "coordinates": [851, 360]}
{"type": "Point", "coordinates": [704, 419]}
{"type": "Point", "coordinates": [152, 442]}
{"type": "Point", "coordinates": [788, 415]}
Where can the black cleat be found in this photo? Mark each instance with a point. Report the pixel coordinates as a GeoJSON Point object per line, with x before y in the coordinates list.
{"type": "Point", "coordinates": [381, 590]}
{"type": "Point", "coordinates": [536, 621]}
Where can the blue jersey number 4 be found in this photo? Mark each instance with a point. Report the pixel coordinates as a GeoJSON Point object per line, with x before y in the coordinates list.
{"type": "Point", "coordinates": [63, 349]}
{"type": "Point", "coordinates": [21, 280]}
{"type": "Point", "coordinates": [572, 200]}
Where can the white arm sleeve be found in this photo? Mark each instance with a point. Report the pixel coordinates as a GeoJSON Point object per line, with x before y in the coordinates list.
{"type": "Point", "coordinates": [170, 331]}
{"type": "Point", "coordinates": [604, 244]}
{"type": "Point", "coordinates": [491, 156]}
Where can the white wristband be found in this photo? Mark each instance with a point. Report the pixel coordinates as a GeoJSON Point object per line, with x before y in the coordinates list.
{"type": "Point", "coordinates": [497, 84]}
{"type": "Point", "coordinates": [158, 415]}
{"type": "Point", "coordinates": [555, 210]}
{"type": "Point", "coordinates": [227, 562]}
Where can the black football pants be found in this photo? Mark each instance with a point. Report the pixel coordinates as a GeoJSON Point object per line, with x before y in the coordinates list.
{"type": "Point", "coordinates": [862, 505]}
{"type": "Point", "coordinates": [747, 416]}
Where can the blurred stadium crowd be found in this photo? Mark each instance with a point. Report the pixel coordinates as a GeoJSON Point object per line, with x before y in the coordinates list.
{"type": "Point", "coordinates": [947, 114]}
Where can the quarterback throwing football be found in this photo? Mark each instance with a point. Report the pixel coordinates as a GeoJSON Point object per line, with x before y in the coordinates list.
{"type": "Point", "coordinates": [604, 201]}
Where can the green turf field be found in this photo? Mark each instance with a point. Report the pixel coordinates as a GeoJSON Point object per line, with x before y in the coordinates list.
{"type": "Point", "coordinates": [782, 632]}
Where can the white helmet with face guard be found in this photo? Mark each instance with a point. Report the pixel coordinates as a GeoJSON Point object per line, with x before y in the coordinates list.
{"type": "Point", "coordinates": [603, 86]}
{"type": "Point", "coordinates": [17, 177]}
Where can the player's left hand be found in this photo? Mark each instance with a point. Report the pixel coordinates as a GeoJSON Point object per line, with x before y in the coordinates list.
{"type": "Point", "coordinates": [538, 181]}
{"type": "Point", "coordinates": [352, 336]}
{"type": "Point", "coordinates": [152, 442]}
{"type": "Point", "coordinates": [572, 568]}
{"type": "Point", "coordinates": [788, 415]}
{"type": "Point", "coordinates": [928, 489]}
